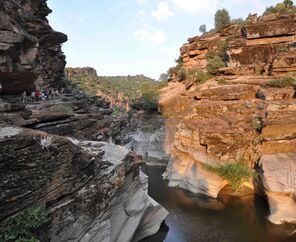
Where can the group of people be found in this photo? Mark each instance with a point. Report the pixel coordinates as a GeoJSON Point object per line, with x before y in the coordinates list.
{"type": "Point", "coordinates": [38, 95]}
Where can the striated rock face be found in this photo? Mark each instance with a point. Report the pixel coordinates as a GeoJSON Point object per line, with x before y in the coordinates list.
{"type": "Point", "coordinates": [92, 191]}
{"type": "Point", "coordinates": [235, 116]}
{"type": "Point", "coordinates": [54, 153]}
{"type": "Point", "coordinates": [265, 45]}
{"type": "Point", "coordinates": [148, 138]}
{"type": "Point", "coordinates": [30, 50]}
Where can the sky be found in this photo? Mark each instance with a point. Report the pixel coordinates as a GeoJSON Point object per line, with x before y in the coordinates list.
{"type": "Point", "coordinates": [130, 37]}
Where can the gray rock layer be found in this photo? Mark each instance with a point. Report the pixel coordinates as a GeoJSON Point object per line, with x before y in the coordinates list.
{"type": "Point", "coordinates": [91, 191]}
{"type": "Point", "coordinates": [30, 50]}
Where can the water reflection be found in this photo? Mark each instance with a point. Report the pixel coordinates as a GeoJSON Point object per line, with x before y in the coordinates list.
{"type": "Point", "coordinates": [194, 218]}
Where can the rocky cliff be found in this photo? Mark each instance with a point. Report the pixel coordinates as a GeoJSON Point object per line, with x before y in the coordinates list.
{"type": "Point", "coordinates": [244, 114]}
{"type": "Point", "coordinates": [263, 45]}
{"type": "Point", "coordinates": [30, 50]}
{"type": "Point", "coordinates": [80, 71]}
{"type": "Point", "coordinates": [57, 155]}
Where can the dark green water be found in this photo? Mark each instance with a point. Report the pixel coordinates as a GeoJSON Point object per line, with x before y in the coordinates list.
{"type": "Point", "coordinates": [199, 219]}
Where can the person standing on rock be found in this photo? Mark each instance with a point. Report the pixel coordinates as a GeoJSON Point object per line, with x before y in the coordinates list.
{"type": "Point", "coordinates": [33, 96]}
{"type": "Point", "coordinates": [51, 93]}
{"type": "Point", "coordinates": [24, 96]}
{"type": "Point", "coordinates": [56, 93]}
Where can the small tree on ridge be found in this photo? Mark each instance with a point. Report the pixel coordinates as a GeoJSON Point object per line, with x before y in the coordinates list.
{"type": "Point", "coordinates": [203, 28]}
{"type": "Point", "coordinates": [222, 19]}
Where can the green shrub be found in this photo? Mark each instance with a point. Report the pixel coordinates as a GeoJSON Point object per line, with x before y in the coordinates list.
{"type": "Point", "coordinates": [222, 19]}
{"type": "Point", "coordinates": [222, 82]}
{"type": "Point", "coordinates": [197, 75]}
{"type": "Point", "coordinates": [181, 74]}
{"type": "Point", "coordinates": [203, 28]}
{"type": "Point", "coordinates": [117, 111]}
{"type": "Point", "coordinates": [282, 49]}
{"type": "Point", "coordinates": [61, 108]}
{"type": "Point", "coordinates": [214, 65]}
{"type": "Point", "coordinates": [281, 8]}
{"type": "Point", "coordinates": [280, 83]}
{"type": "Point", "coordinates": [21, 228]}
{"type": "Point", "coordinates": [235, 173]}
{"type": "Point", "coordinates": [257, 124]}
{"type": "Point", "coordinates": [149, 96]}
{"type": "Point", "coordinates": [222, 48]}
{"type": "Point", "coordinates": [162, 84]}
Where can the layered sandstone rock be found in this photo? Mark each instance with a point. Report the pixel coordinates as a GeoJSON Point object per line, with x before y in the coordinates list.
{"type": "Point", "coordinates": [265, 45]}
{"type": "Point", "coordinates": [92, 191]}
{"type": "Point", "coordinates": [30, 50]}
{"type": "Point", "coordinates": [235, 116]}
{"type": "Point", "coordinates": [52, 154]}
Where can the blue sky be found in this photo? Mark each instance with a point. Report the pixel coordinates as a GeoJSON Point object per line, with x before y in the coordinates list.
{"type": "Point", "coordinates": [129, 37]}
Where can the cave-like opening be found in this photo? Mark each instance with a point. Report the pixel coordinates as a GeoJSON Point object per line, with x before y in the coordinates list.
{"type": "Point", "coordinates": [14, 83]}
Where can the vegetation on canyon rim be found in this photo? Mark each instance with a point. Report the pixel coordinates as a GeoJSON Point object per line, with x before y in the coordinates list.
{"type": "Point", "coordinates": [138, 89]}
{"type": "Point", "coordinates": [21, 228]}
{"type": "Point", "coordinates": [281, 82]}
{"type": "Point", "coordinates": [285, 7]}
{"type": "Point", "coordinates": [217, 58]}
{"type": "Point", "coordinates": [235, 173]}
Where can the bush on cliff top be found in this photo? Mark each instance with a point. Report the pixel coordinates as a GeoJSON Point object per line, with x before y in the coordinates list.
{"type": "Point", "coordinates": [235, 173]}
{"type": "Point", "coordinates": [281, 83]}
{"type": "Point", "coordinates": [22, 227]}
{"type": "Point", "coordinates": [222, 19]}
{"type": "Point", "coordinates": [285, 7]}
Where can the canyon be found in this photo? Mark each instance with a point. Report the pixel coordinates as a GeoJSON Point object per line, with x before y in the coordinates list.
{"type": "Point", "coordinates": [238, 115]}
{"type": "Point", "coordinates": [57, 155]}
{"type": "Point", "coordinates": [83, 165]}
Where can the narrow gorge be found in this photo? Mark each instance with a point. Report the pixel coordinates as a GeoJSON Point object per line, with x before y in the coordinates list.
{"type": "Point", "coordinates": [54, 155]}
{"type": "Point", "coordinates": [213, 160]}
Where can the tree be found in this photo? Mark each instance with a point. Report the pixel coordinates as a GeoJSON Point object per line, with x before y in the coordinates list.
{"type": "Point", "coordinates": [163, 77]}
{"type": "Point", "coordinates": [222, 19]}
{"type": "Point", "coordinates": [288, 3]}
{"type": "Point", "coordinates": [149, 96]}
{"type": "Point", "coordinates": [203, 28]}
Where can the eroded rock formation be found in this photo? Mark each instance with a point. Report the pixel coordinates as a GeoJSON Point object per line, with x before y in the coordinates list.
{"type": "Point", "coordinates": [265, 45]}
{"type": "Point", "coordinates": [54, 153]}
{"type": "Point", "coordinates": [30, 50]}
{"type": "Point", "coordinates": [235, 116]}
{"type": "Point", "coordinates": [92, 191]}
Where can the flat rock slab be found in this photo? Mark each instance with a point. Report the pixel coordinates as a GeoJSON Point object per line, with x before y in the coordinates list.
{"type": "Point", "coordinates": [282, 209]}
{"type": "Point", "coordinates": [279, 172]}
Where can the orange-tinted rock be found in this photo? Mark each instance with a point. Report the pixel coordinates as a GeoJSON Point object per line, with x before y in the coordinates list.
{"type": "Point", "coordinates": [263, 46]}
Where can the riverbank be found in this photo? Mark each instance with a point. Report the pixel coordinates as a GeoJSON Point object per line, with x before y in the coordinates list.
{"type": "Point", "coordinates": [196, 218]}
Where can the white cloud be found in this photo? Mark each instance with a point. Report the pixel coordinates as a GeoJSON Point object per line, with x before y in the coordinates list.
{"type": "Point", "coordinates": [158, 37]}
{"type": "Point", "coordinates": [142, 2]}
{"type": "Point", "coordinates": [141, 13]}
{"type": "Point", "coordinates": [146, 33]}
{"type": "Point", "coordinates": [196, 6]}
{"type": "Point", "coordinates": [163, 11]}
